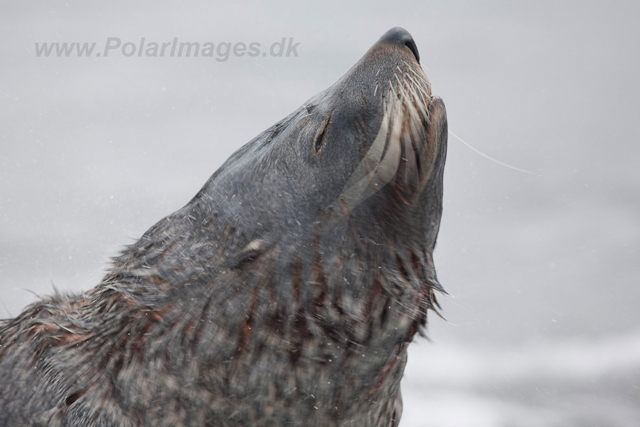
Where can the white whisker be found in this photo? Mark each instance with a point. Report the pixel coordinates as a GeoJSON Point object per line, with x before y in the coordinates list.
{"type": "Point", "coordinates": [401, 137]}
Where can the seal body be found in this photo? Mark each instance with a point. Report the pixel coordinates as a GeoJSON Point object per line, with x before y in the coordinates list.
{"type": "Point", "coordinates": [284, 293]}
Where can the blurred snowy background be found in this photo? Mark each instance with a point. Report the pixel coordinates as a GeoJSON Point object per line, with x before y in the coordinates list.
{"type": "Point", "coordinates": [543, 270]}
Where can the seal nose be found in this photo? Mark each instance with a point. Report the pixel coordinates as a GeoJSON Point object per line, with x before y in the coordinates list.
{"type": "Point", "coordinates": [401, 36]}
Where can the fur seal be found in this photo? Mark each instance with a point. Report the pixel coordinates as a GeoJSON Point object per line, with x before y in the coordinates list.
{"type": "Point", "coordinates": [284, 293]}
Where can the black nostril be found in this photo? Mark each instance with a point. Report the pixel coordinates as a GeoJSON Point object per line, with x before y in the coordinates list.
{"type": "Point", "coordinates": [412, 45]}
{"type": "Point", "coordinates": [400, 35]}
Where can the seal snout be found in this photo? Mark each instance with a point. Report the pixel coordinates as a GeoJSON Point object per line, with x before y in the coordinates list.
{"type": "Point", "coordinates": [401, 36]}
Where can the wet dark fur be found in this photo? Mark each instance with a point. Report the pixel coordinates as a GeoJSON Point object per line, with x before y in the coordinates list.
{"type": "Point", "coordinates": [268, 299]}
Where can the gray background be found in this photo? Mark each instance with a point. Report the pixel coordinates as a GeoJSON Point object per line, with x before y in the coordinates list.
{"type": "Point", "coordinates": [543, 321]}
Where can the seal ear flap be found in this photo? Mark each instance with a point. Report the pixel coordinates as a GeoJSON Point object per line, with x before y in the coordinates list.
{"type": "Point", "coordinates": [249, 253]}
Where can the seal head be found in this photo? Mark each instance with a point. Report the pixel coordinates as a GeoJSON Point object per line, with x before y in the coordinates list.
{"type": "Point", "coordinates": [284, 293]}
{"type": "Point", "coordinates": [367, 154]}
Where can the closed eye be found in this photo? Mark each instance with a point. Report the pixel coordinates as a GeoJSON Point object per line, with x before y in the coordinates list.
{"type": "Point", "coordinates": [320, 139]}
